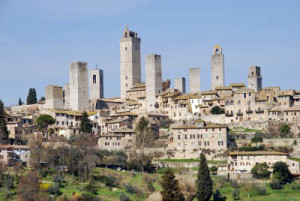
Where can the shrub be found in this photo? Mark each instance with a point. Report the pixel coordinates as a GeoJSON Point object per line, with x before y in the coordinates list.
{"type": "Point", "coordinates": [54, 190]}
{"type": "Point", "coordinates": [218, 196]}
{"type": "Point", "coordinates": [92, 187]}
{"type": "Point", "coordinates": [124, 197]}
{"type": "Point", "coordinates": [131, 189]}
{"type": "Point", "coordinates": [260, 171]}
{"type": "Point", "coordinates": [58, 178]}
{"type": "Point", "coordinates": [275, 185]}
{"type": "Point", "coordinates": [255, 148]}
{"type": "Point", "coordinates": [45, 186]}
{"type": "Point", "coordinates": [295, 186]}
{"type": "Point", "coordinates": [236, 194]}
{"type": "Point", "coordinates": [234, 184]}
{"type": "Point", "coordinates": [217, 110]}
{"type": "Point", "coordinates": [149, 182]}
{"type": "Point", "coordinates": [213, 170]}
{"type": "Point", "coordinates": [281, 172]}
{"type": "Point", "coordinates": [257, 138]}
{"type": "Point", "coordinates": [88, 197]}
{"type": "Point", "coordinates": [109, 181]}
{"type": "Point", "coordinates": [285, 131]}
{"type": "Point", "coordinates": [261, 190]}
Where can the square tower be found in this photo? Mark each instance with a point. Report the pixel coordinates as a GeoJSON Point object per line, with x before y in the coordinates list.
{"type": "Point", "coordinates": [254, 78]}
{"type": "Point", "coordinates": [54, 97]}
{"type": "Point", "coordinates": [153, 80]}
{"type": "Point", "coordinates": [79, 90]}
{"type": "Point", "coordinates": [217, 68]}
{"type": "Point", "coordinates": [194, 80]}
{"type": "Point", "coordinates": [179, 83]}
{"type": "Point", "coordinates": [130, 61]}
{"type": "Point", "coordinates": [96, 84]}
{"type": "Point", "coordinates": [67, 96]}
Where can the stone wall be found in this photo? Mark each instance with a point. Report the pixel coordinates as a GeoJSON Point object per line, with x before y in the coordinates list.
{"type": "Point", "coordinates": [194, 80]}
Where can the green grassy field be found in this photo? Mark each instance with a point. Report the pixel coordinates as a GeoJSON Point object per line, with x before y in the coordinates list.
{"type": "Point", "coordinates": [74, 185]}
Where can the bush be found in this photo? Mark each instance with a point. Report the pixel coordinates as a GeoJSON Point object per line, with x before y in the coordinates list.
{"type": "Point", "coordinates": [285, 131]}
{"type": "Point", "coordinates": [88, 197]}
{"type": "Point", "coordinates": [255, 148]}
{"type": "Point", "coordinates": [236, 194]}
{"type": "Point", "coordinates": [261, 190]}
{"type": "Point", "coordinates": [260, 171]}
{"type": "Point", "coordinates": [58, 178]}
{"type": "Point", "coordinates": [132, 189]}
{"type": "Point", "coordinates": [257, 138]}
{"type": "Point", "coordinates": [275, 185]}
{"type": "Point", "coordinates": [92, 187]}
{"type": "Point", "coordinates": [109, 181]}
{"type": "Point", "coordinates": [218, 196]}
{"type": "Point", "coordinates": [295, 186]}
{"type": "Point", "coordinates": [281, 172]}
{"type": "Point", "coordinates": [217, 110]}
{"type": "Point", "coordinates": [54, 190]}
{"type": "Point", "coordinates": [213, 170]}
{"type": "Point", "coordinates": [149, 182]}
{"type": "Point", "coordinates": [124, 197]}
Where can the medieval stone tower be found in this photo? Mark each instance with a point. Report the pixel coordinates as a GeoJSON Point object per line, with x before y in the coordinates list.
{"type": "Point", "coordinates": [130, 61]}
{"type": "Point", "coordinates": [67, 96]}
{"type": "Point", "coordinates": [79, 90]}
{"type": "Point", "coordinates": [179, 83]}
{"type": "Point", "coordinates": [217, 68]}
{"type": "Point", "coordinates": [255, 78]}
{"type": "Point", "coordinates": [194, 80]}
{"type": "Point", "coordinates": [96, 84]}
{"type": "Point", "coordinates": [54, 97]}
{"type": "Point", "coordinates": [153, 80]}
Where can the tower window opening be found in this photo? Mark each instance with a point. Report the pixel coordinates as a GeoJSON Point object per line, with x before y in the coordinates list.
{"type": "Point", "coordinates": [126, 77]}
{"type": "Point", "coordinates": [94, 78]}
{"type": "Point", "coordinates": [125, 48]}
{"type": "Point", "coordinates": [217, 77]}
{"type": "Point", "coordinates": [217, 50]}
{"type": "Point", "coordinates": [125, 35]}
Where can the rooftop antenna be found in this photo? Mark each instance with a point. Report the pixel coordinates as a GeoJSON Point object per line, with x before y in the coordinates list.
{"type": "Point", "coordinates": [96, 66]}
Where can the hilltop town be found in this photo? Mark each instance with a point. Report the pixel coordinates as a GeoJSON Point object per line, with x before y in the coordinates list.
{"type": "Point", "coordinates": [223, 123]}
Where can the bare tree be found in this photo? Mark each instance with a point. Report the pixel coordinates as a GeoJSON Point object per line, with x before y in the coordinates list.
{"type": "Point", "coordinates": [145, 138]}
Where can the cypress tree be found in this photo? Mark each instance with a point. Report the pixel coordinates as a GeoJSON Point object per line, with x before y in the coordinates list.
{"type": "Point", "coordinates": [85, 124]}
{"type": "Point", "coordinates": [171, 191]}
{"type": "Point", "coordinates": [31, 97]}
{"type": "Point", "coordinates": [204, 184]}
{"type": "Point", "coordinates": [3, 127]}
{"type": "Point", "coordinates": [20, 101]}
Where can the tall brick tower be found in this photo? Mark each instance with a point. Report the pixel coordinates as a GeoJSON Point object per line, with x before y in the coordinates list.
{"type": "Point", "coordinates": [130, 61]}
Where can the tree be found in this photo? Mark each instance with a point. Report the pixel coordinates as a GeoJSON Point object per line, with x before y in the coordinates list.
{"type": "Point", "coordinates": [257, 138]}
{"type": "Point", "coordinates": [3, 127]}
{"type": "Point", "coordinates": [85, 124]}
{"type": "Point", "coordinates": [260, 171]}
{"type": "Point", "coordinates": [217, 110]}
{"type": "Point", "coordinates": [31, 97]}
{"type": "Point", "coordinates": [281, 172]}
{"type": "Point", "coordinates": [42, 99]}
{"type": "Point", "coordinates": [29, 188]}
{"type": "Point", "coordinates": [284, 131]}
{"type": "Point", "coordinates": [144, 139]}
{"type": "Point", "coordinates": [213, 170]}
{"type": "Point", "coordinates": [204, 183]}
{"type": "Point", "coordinates": [20, 101]}
{"type": "Point", "coordinates": [170, 188]}
{"type": "Point", "coordinates": [44, 120]}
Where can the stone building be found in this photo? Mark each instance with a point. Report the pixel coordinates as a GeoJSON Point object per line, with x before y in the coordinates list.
{"type": "Point", "coordinates": [194, 80]}
{"type": "Point", "coordinates": [179, 84]}
{"type": "Point", "coordinates": [217, 68]}
{"type": "Point", "coordinates": [190, 139]}
{"type": "Point", "coordinates": [54, 97]}
{"type": "Point", "coordinates": [243, 162]}
{"type": "Point", "coordinates": [130, 64]}
{"type": "Point", "coordinates": [96, 84]}
{"type": "Point", "coordinates": [255, 78]}
{"type": "Point", "coordinates": [153, 80]}
{"type": "Point", "coordinates": [79, 88]}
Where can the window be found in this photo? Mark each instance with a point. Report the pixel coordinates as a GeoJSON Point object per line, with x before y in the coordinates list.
{"type": "Point", "coordinates": [178, 137]}
{"type": "Point", "coordinates": [185, 136]}
{"type": "Point", "coordinates": [125, 48]}
{"type": "Point", "coordinates": [220, 143]}
{"type": "Point", "coordinates": [126, 77]}
{"type": "Point", "coordinates": [94, 78]}
{"type": "Point", "coordinates": [199, 143]}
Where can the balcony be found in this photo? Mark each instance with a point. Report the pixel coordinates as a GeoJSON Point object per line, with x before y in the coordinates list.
{"type": "Point", "coordinates": [229, 114]}
{"type": "Point", "coordinates": [259, 111]}
{"type": "Point", "coordinates": [239, 114]}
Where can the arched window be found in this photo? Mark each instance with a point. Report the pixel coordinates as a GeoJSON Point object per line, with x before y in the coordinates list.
{"type": "Point", "coordinates": [94, 78]}
{"type": "Point", "coordinates": [231, 102]}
